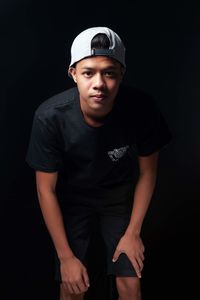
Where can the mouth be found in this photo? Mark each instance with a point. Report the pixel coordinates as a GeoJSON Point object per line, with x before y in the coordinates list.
{"type": "Point", "coordinates": [98, 97]}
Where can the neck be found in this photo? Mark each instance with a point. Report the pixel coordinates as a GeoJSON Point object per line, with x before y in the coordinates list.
{"type": "Point", "coordinates": [93, 121]}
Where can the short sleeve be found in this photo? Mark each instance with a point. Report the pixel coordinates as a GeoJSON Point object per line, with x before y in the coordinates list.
{"type": "Point", "coordinates": [153, 132]}
{"type": "Point", "coordinates": [44, 153]}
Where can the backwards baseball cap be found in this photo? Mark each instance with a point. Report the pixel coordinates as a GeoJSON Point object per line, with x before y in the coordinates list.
{"type": "Point", "coordinates": [81, 46]}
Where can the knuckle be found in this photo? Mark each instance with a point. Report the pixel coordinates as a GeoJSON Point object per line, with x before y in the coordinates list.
{"type": "Point", "coordinates": [65, 286]}
{"type": "Point", "coordinates": [77, 281]}
{"type": "Point", "coordinates": [70, 281]}
{"type": "Point", "coordinates": [66, 281]}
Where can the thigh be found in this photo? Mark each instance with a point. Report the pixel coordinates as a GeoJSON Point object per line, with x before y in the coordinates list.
{"type": "Point", "coordinates": [113, 228]}
{"type": "Point", "coordinates": [79, 228]}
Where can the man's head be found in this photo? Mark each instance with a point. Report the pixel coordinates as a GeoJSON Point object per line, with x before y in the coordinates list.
{"type": "Point", "coordinates": [97, 66]}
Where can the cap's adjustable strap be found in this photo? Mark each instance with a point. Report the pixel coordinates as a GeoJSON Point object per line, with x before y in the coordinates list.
{"type": "Point", "coordinates": [105, 52]}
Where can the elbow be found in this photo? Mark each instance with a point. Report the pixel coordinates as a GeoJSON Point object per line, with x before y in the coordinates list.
{"type": "Point", "coordinates": [45, 192]}
{"type": "Point", "coordinates": [148, 176]}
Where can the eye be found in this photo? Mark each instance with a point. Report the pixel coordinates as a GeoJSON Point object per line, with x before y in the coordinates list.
{"type": "Point", "coordinates": [87, 74]}
{"type": "Point", "coordinates": [110, 74]}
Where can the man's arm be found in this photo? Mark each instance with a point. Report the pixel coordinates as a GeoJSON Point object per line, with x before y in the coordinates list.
{"type": "Point", "coordinates": [131, 242]}
{"type": "Point", "coordinates": [73, 273]}
{"type": "Point", "coordinates": [46, 183]}
{"type": "Point", "coordinates": [143, 191]}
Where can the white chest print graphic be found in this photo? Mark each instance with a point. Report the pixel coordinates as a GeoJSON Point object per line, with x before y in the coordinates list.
{"type": "Point", "coordinates": [116, 154]}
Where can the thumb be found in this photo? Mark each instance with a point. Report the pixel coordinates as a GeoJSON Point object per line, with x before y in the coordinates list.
{"type": "Point", "coordinates": [116, 255]}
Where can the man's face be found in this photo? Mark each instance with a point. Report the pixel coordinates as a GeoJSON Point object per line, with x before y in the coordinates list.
{"type": "Point", "coordinates": [98, 79]}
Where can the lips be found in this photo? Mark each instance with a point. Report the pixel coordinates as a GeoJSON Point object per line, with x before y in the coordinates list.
{"type": "Point", "coordinates": [99, 97]}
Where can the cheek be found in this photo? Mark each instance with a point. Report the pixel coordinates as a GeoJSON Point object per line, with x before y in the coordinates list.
{"type": "Point", "coordinates": [113, 86]}
{"type": "Point", "coordinates": [83, 83]}
{"type": "Point", "coordinates": [83, 88]}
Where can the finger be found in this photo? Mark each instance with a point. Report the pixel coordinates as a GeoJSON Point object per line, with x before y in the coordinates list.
{"type": "Point", "coordinates": [69, 288]}
{"type": "Point", "coordinates": [75, 288]}
{"type": "Point", "coordinates": [141, 255]}
{"type": "Point", "coordinates": [82, 287]}
{"type": "Point", "coordinates": [140, 263]}
{"type": "Point", "coordinates": [136, 267]}
{"type": "Point", "coordinates": [86, 279]}
{"type": "Point", "coordinates": [65, 287]}
{"type": "Point", "coordinates": [116, 255]}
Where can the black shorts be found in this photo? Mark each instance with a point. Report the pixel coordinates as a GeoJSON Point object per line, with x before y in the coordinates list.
{"type": "Point", "coordinates": [111, 226]}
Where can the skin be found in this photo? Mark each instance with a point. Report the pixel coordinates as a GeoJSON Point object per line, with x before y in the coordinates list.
{"type": "Point", "coordinates": [98, 79]}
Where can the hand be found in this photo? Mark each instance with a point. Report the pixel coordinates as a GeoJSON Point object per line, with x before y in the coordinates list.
{"type": "Point", "coordinates": [133, 247]}
{"type": "Point", "coordinates": [74, 275]}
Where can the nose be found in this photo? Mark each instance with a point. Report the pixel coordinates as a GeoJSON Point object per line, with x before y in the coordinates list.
{"type": "Point", "coordinates": [98, 81]}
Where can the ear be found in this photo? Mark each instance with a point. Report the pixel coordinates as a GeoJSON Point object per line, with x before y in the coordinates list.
{"type": "Point", "coordinates": [72, 73]}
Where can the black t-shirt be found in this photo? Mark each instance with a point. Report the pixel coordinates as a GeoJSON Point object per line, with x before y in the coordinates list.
{"type": "Point", "coordinates": [95, 162]}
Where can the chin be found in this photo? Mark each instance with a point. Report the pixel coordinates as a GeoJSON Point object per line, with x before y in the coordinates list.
{"type": "Point", "coordinates": [98, 114]}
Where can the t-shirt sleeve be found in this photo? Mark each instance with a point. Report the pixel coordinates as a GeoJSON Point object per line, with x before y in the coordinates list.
{"type": "Point", "coordinates": [44, 153]}
{"type": "Point", "coordinates": [153, 133]}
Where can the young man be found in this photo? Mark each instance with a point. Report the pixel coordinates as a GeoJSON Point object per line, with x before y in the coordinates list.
{"type": "Point", "coordinates": [82, 146]}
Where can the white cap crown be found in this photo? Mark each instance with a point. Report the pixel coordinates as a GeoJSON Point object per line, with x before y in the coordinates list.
{"type": "Point", "coordinates": [81, 46]}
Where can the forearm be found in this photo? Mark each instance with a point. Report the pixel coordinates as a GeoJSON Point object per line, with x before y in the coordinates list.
{"type": "Point", "coordinates": [54, 221]}
{"type": "Point", "coordinates": [142, 197]}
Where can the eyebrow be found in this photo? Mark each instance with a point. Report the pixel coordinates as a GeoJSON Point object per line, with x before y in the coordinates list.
{"type": "Point", "coordinates": [106, 68]}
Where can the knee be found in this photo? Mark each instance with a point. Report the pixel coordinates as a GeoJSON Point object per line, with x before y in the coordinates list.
{"type": "Point", "coordinates": [128, 287]}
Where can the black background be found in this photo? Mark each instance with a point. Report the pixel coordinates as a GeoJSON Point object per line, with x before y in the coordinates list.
{"type": "Point", "coordinates": [162, 39]}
